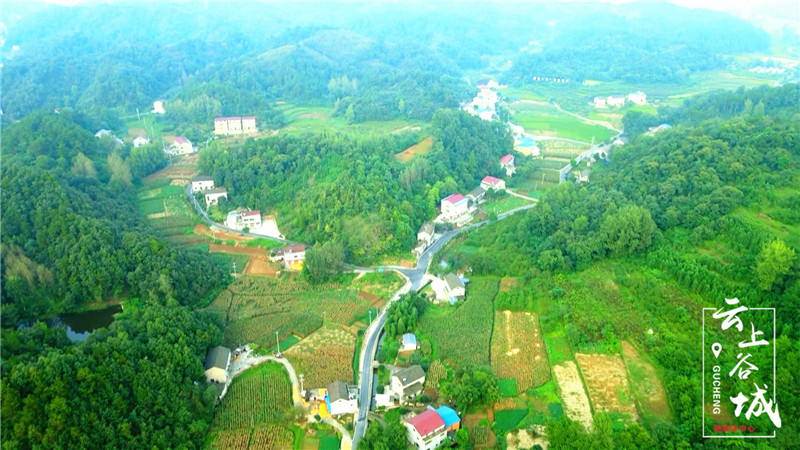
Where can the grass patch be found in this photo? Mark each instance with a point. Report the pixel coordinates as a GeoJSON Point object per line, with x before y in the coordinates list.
{"type": "Point", "coordinates": [263, 243]}
{"type": "Point", "coordinates": [504, 203]}
{"type": "Point", "coordinates": [151, 206]}
{"type": "Point", "coordinates": [507, 387]}
{"type": "Point", "coordinates": [507, 419]}
{"type": "Point", "coordinates": [562, 126]}
{"type": "Point", "coordinates": [329, 443]}
{"type": "Point", "coordinates": [285, 344]}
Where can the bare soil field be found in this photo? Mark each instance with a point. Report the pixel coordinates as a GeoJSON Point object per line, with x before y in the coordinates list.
{"type": "Point", "coordinates": [607, 383]}
{"type": "Point", "coordinates": [174, 172]}
{"type": "Point", "coordinates": [576, 403]}
{"type": "Point", "coordinates": [261, 266]}
{"type": "Point", "coordinates": [232, 249]}
{"type": "Point", "coordinates": [420, 148]}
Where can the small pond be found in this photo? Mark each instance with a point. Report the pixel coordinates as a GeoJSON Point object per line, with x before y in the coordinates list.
{"type": "Point", "coordinates": [80, 325]}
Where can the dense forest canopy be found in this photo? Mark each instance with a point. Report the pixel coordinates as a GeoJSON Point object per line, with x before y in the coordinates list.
{"type": "Point", "coordinates": [72, 233]}
{"type": "Point", "coordinates": [638, 43]}
{"type": "Point", "coordinates": [352, 189]}
{"type": "Point", "coordinates": [401, 62]}
{"type": "Point", "coordinates": [137, 384]}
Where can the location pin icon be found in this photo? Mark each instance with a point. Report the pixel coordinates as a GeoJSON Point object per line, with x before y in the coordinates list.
{"type": "Point", "coordinates": [716, 347]}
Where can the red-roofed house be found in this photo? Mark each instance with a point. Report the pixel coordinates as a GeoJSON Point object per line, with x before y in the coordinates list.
{"type": "Point", "coordinates": [507, 162]}
{"type": "Point", "coordinates": [181, 146]}
{"type": "Point", "coordinates": [426, 431]}
{"type": "Point", "coordinates": [454, 206]}
{"type": "Point", "coordinates": [490, 182]}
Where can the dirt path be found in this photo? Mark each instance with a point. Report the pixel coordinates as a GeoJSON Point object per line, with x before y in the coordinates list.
{"type": "Point", "coordinates": [525, 197]}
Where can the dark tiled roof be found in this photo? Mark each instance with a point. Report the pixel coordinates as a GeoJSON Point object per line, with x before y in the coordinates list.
{"type": "Point", "coordinates": [338, 390]}
{"type": "Point", "coordinates": [453, 281]}
{"type": "Point", "coordinates": [217, 357]}
{"type": "Point", "coordinates": [410, 374]}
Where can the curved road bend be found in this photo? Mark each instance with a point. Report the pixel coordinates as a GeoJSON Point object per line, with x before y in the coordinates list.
{"type": "Point", "coordinates": [414, 279]}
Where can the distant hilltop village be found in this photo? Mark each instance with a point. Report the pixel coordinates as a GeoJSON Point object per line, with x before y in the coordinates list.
{"type": "Point", "coordinates": [235, 125]}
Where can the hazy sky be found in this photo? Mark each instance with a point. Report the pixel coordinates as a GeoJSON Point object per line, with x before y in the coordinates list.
{"type": "Point", "coordinates": [781, 9]}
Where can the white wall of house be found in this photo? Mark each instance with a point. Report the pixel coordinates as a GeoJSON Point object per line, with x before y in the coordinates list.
{"type": "Point", "coordinates": [342, 406]}
{"type": "Point", "coordinates": [429, 442]}
{"type": "Point", "coordinates": [213, 199]}
{"type": "Point", "coordinates": [198, 186]}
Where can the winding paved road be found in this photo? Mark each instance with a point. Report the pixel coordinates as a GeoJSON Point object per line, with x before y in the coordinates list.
{"type": "Point", "coordinates": [414, 278]}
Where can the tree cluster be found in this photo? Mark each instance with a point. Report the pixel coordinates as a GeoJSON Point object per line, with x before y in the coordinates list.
{"type": "Point", "coordinates": [137, 384]}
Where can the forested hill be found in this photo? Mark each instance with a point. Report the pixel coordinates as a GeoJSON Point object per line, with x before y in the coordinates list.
{"type": "Point", "coordinates": [71, 230]}
{"type": "Point", "coordinates": [644, 42]}
{"type": "Point", "coordinates": [349, 189]}
{"type": "Point", "coordinates": [677, 221]}
{"type": "Point", "coordinates": [137, 384]}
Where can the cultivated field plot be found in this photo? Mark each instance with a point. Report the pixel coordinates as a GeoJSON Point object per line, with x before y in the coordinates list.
{"type": "Point", "coordinates": [462, 333]}
{"type": "Point", "coordinates": [255, 307]}
{"type": "Point", "coordinates": [575, 402]}
{"type": "Point", "coordinates": [255, 398]}
{"type": "Point", "coordinates": [607, 383]}
{"type": "Point", "coordinates": [266, 437]}
{"type": "Point", "coordinates": [168, 210]}
{"type": "Point", "coordinates": [324, 357]}
{"type": "Point", "coordinates": [561, 149]}
{"type": "Point", "coordinates": [232, 440]}
{"type": "Point", "coordinates": [271, 437]}
{"type": "Point", "coordinates": [517, 349]}
{"type": "Point", "coordinates": [422, 148]}
{"type": "Point", "coordinates": [646, 386]}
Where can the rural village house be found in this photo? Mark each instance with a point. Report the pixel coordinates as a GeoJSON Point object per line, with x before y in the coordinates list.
{"type": "Point", "coordinates": [212, 196]}
{"type": "Point", "coordinates": [181, 146]}
{"type": "Point", "coordinates": [235, 125]}
{"type": "Point", "coordinates": [341, 398]}
{"type": "Point", "coordinates": [426, 431]}
{"type": "Point", "coordinates": [507, 163]}
{"type": "Point", "coordinates": [240, 219]}
{"type": "Point", "coordinates": [408, 383]}
{"type": "Point", "coordinates": [202, 183]}
{"type": "Point", "coordinates": [292, 256]}
{"type": "Point", "coordinates": [425, 234]}
{"type": "Point", "coordinates": [490, 182]}
{"type": "Point", "coordinates": [455, 287]}
{"type": "Point", "coordinates": [158, 107]}
{"type": "Point", "coordinates": [409, 343]}
{"type": "Point", "coordinates": [451, 420]}
{"type": "Point", "coordinates": [477, 195]}
{"type": "Point", "coordinates": [454, 207]}
{"type": "Point", "coordinates": [217, 361]}
{"type": "Point", "coordinates": [141, 140]}
{"type": "Point", "coordinates": [638, 98]}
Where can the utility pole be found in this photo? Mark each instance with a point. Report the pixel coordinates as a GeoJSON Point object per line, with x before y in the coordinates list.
{"type": "Point", "coordinates": [301, 384]}
{"type": "Point", "coordinates": [277, 343]}
{"type": "Point", "coordinates": [137, 114]}
{"type": "Point", "coordinates": [234, 268]}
